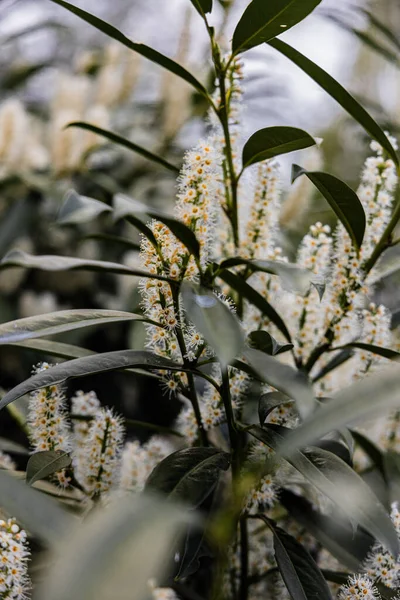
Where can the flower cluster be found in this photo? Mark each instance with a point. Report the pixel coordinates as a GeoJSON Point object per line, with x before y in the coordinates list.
{"type": "Point", "coordinates": [380, 565]}
{"type": "Point", "coordinates": [14, 555]}
{"type": "Point", "coordinates": [137, 462]}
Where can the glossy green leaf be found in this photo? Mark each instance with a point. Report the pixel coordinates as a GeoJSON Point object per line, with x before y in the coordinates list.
{"type": "Point", "coordinates": [17, 258]}
{"type": "Point", "coordinates": [341, 198]}
{"type": "Point", "coordinates": [90, 365]}
{"type": "Point", "coordinates": [334, 478]}
{"type": "Point", "coordinates": [238, 284]}
{"type": "Point", "coordinates": [141, 49]}
{"type": "Point", "coordinates": [274, 141]}
{"type": "Point", "coordinates": [202, 6]}
{"type": "Point", "coordinates": [42, 464]}
{"type": "Point", "coordinates": [60, 322]}
{"type": "Point", "coordinates": [41, 515]}
{"type": "Point", "coordinates": [352, 405]}
{"type": "Point", "coordinates": [121, 141]}
{"type": "Point", "coordinates": [214, 320]}
{"type": "Point", "coordinates": [262, 21]}
{"type": "Point", "coordinates": [302, 577]}
{"type": "Point", "coordinates": [77, 209]}
{"type": "Point", "coordinates": [125, 546]}
{"type": "Point", "coordinates": [189, 475]}
{"type": "Point", "coordinates": [332, 533]}
{"type": "Point", "coordinates": [338, 93]}
{"type": "Point", "coordinates": [294, 278]}
{"type": "Point", "coordinates": [268, 402]}
{"type": "Point", "coordinates": [262, 340]}
{"type": "Point", "coordinates": [287, 380]}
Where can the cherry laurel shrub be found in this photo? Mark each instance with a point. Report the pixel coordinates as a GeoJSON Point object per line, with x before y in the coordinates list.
{"type": "Point", "coordinates": [280, 476]}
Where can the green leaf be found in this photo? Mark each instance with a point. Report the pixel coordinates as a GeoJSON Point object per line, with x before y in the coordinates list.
{"type": "Point", "coordinates": [332, 533]}
{"type": "Point", "coordinates": [268, 402]}
{"type": "Point", "coordinates": [274, 141]}
{"type": "Point", "coordinates": [121, 141]}
{"type": "Point", "coordinates": [334, 478]}
{"type": "Point", "coordinates": [371, 450]}
{"type": "Point", "coordinates": [379, 350]}
{"type": "Point", "coordinates": [90, 365]}
{"type": "Point", "coordinates": [238, 284]}
{"type": "Point", "coordinates": [77, 209]}
{"type": "Point", "coordinates": [112, 239]}
{"type": "Point", "coordinates": [18, 258]}
{"type": "Point", "coordinates": [60, 322]}
{"type": "Point", "coordinates": [262, 21]}
{"type": "Point", "coordinates": [214, 320]}
{"type": "Point", "coordinates": [373, 395]}
{"type": "Point", "coordinates": [42, 516]}
{"type": "Point", "coordinates": [381, 27]}
{"type": "Point", "coordinates": [202, 6]}
{"type": "Point", "coordinates": [287, 380]}
{"type": "Point", "coordinates": [141, 49]}
{"type": "Point", "coordinates": [42, 464]}
{"type": "Point", "coordinates": [189, 475]}
{"type": "Point", "coordinates": [341, 198]}
{"type": "Point", "coordinates": [338, 93]}
{"type": "Point", "coordinates": [262, 340]}
{"type": "Point", "coordinates": [126, 545]}
{"type": "Point", "coordinates": [51, 348]}
{"type": "Point", "coordinates": [299, 571]}
{"type": "Point", "coordinates": [335, 362]}
{"type": "Point", "coordinates": [391, 462]}
{"type": "Point", "coordinates": [294, 278]}
{"type": "Point", "coordinates": [11, 446]}
{"type": "Point", "coordinates": [128, 209]}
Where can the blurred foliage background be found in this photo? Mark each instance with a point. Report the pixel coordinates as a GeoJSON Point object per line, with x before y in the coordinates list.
{"type": "Point", "coordinates": [54, 69]}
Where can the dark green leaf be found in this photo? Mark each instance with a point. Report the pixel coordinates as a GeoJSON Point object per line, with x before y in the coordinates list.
{"type": "Point", "coordinates": [320, 286]}
{"type": "Point", "coordinates": [294, 278]}
{"type": "Point", "coordinates": [379, 350]}
{"type": "Point", "coordinates": [112, 239]}
{"type": "Point", "coordinates": [127, 208]}
{"type": "Point", "coordinates": [334, 478]}
{"type": "Point", "coordinates": [262, 340]}
{"type": "Point", "coordinates": [299, 571]}
{"type": "Point", "coordinates": [202, 6]}
{"type": "Point", "coordinates": [391, 462]}
{"type": "Point", "coordinates": [51, 348]}
{"type": "Point", "coordinates": [374, 20]}
{"type": "Point", "coordinates": [287, 380]}
{"type": "Point", "coordinates": [268, 402]}
{"type": "Point", "coordinates": [77, 209]}
{"type": "Point", "coordinates": [141, 49]}
{"type": "Point", "coordinates": [42, 464]}
{"type": "Point", "coordinates": [189, 475]}
{"type": "Point", "coordinates": [17, 258]}
{"type": "Point", "coordinates": [332, 533]}
{"type": "Point", "coordinates": [337, 448]}
{"type": "Point", "coordinates": [274, 141]}
{"type": "Point", "coordinates": [335, 362]}
{"type": "Point", "coordinates": [59, 322]}
{"type": "Point", "coordinates": [180, 230]}
{"type": "Point", "coordinates": [113, 137]}
{"type": "Point", "coordinates": [341, 198]}
{"type": "Point", "coordinates": [42, 516]}
{"type": "Point", "coordinates": [214, 320]}
{"type": "Point", "coordinates": [195, 548]}
{"type": "Point", "coordinates": [90, 365]}
{"type": "Point", "coordinates": [262, 21]}
{"type": "Point", "coordinates": [238, 284]}
{"type": "Point", "coordinates": [370, 449]}
{"type": "Point", "coordinates": [336, 91]}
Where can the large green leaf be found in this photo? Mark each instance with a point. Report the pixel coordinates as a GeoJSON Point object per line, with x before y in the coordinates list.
{"type": "Point", "coordinates": [262, 21]}
{"type": "Point", "coordinates": [332, 533]}
{"type": "Point", "coordinates": [338, 93]}
{"type": "Point", "coordinates": [202, 6]}
{"type": "Point", "coordinates": [214, 320]}
{"type": "Point", "coordinates": [262, 340]}
{"type": "Point", "coordinates": [341, 198]}
{"type": "Point", "coordinates": [77, 209]}
{"type": "Point", "coordinates": [59, 322]}
{"type": "Point", "coordinates": [268, 402]}
{"type": "Point", "coordinates": [287, 380]}
{"type": "Point", "coordinates": [294, 278]}
{"type": "Point", "coordinates": [141, 49]}
{"type": "Point", "coordinates": [42, 516]}
{"type": "Point", "coordinates": [334, 478]}
{"type": "Point", "coordinates": [51, 348]}
{"type": "Point", "coordinates": [274, 141]}
{"type": "Point", "coordinates": [17, 258]}
{"type": "Point", "coordinates": [373, 395]}
{"type": "Point", "coordinates": [299, 571]}
{"type": "Point", "coordinates": [89, 365]}
{"type": "Point", "coordinates": [238, 284]}
{"type": "Point", "coordinates": [121, 141]}
{"type": "Point", "coordinates": [189, 475]}
{"type": "Point", "coordinates": [125, 546]}
{"type": "Point", "coordinates": [42, 464]}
